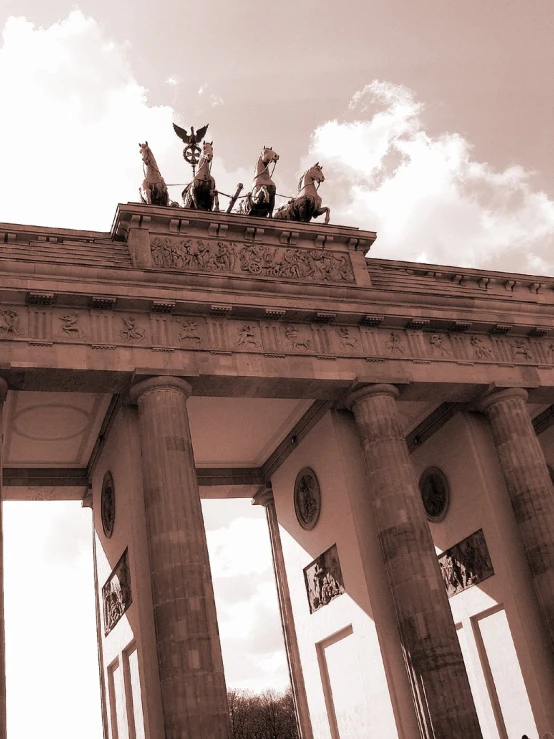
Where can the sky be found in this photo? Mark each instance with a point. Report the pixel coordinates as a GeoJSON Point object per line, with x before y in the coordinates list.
{"type": "Point", "coordinates": [433, 122]}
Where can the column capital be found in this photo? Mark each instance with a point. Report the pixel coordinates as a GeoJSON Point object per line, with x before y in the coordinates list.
{"type": "Point", "coordinates": [498, 395]}
{"type": "Point", "coordinates": [3, 389]}
{"type": "Point", "coordinates": [366, 391]}
{"type": "Point", "coordinates": [264, 496]}
{"type": "Point", "coordinates": [160, 383]}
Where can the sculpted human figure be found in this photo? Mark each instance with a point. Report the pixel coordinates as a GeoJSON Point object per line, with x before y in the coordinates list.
{"type": "Point", "coordinates": [260, 201]}
{"type": "Point", "coordinates": [307, 204]}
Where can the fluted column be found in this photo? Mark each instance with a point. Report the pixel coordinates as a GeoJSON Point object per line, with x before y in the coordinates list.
{"type": "Point", "coordinates": [530, 488]}
{"type": "Point", "coordinates": [442, 696]}
{"type": "Point", "coordinates": [265, 498]}
{"type": "Point", "coordinates": [194, 696]}
{"type": "Point", "coordinates": [3, 394]}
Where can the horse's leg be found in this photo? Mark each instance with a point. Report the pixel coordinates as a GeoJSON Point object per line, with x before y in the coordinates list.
{"type": "Point", "coordinates": [192, 195]}
{"type": "Point", "coordinates": [321, 211]}
{"type": "Point", "coordinates": [216, 202]}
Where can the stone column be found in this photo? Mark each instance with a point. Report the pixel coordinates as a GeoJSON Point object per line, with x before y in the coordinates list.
{"type": "Point", "coordinates": [265, 497]}
{"type": "Point", "coordinates": [3, 393]}
{"type": "Point", "coordinates": [442, 696]}
{"type": "Point", "coordinates": [530, 488]}
{"type": "Point", "coordinates": [194, 696]}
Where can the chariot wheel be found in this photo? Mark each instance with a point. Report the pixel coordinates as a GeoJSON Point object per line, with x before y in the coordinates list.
{"type": "Point", "coordinates": [255, 268]}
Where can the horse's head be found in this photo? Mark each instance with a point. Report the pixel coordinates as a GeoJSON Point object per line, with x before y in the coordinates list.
{"type": "Point", "coordinates": [208, 150]}
{"type": "Point", "coordinates": [145, 152]}
{"type": "Point", "coordinates": [316, 173]}
{"type": "Point", "coordinates": [268, 155]}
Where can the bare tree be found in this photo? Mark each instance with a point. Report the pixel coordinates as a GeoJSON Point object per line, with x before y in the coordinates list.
{"type": "Point", "coordinates": [267, 715]}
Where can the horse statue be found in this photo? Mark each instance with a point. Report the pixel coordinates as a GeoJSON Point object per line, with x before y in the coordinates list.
{"type": "Point", "coordinates": [260, 201]}
{"type": "Point", "coordinates": [308, 203]}
{"type": "Point", "coordinates": [154, 189]}
{"type": "Point", "coordinates": [201, 193]}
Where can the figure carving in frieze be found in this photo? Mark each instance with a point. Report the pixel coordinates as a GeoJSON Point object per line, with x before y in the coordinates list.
{"type": "Point", "coordinates": [394, 344]}
{"type": "Point", "coordinates": [70, 325]}
{"type": "Point", "coordinates": [9, 322]}
{"type": "Point", "coordinates": [292, 334]}
{"type": "Point", "coordinates": [153, 190]}
{"type": "Point", "coordinates": [437, 345]}
{"type": "Point", "coordinates": [131, 330]}
{"type": "Point", "coordinates": [520, 350]}
{"type": "Point", "coordinates": [201, 193]}
{"type": "Point", "coordinates": [247, 337]}
{"type": "Point", "coordinates": [225, 257]}
{"type": "Point", "coordinates": [346, 339]}
{"type": "Point", "coordinates": [189, 332]}
{"type": "Point", "coordinates": [260, 201]}
{"type": "Point", "coordinates": [308, 203]}
{"type": "Point", "coordinates": [480, 349]}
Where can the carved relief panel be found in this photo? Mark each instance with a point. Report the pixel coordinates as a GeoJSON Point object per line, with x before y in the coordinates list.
{"type": "Point", "coordinates": [466, 563]}
{"type": "Point", "coordinates": [116, 593]}
{"type": "Point", "coordinates": [323, 578]}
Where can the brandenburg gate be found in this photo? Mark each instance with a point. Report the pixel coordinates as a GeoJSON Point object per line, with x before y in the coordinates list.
{"type": "Point", "coordinates": [394, 418]}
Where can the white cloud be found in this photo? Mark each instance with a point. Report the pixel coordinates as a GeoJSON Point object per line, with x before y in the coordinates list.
{"type": "Point", "coordinates": [425, 196]}
{"type": "Point", "coordinates": [242, 548]}
{"type": "Point", "coordinates": [73, 118]}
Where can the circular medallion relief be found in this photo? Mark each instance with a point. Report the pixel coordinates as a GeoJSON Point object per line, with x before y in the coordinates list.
{"type": "Point", "coordinates": [107, 504]}
{"type": "Point", "coordinates": [307, 498]}
{"type": "Point", "coordinates": [435, 493]}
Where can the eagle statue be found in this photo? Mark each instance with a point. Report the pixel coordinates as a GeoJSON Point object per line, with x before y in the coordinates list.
{"type": "Point", "coordinates": [194, 137]}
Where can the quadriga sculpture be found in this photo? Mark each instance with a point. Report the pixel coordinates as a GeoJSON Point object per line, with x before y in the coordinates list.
{"type": "Point", "coordinates": [154, 189]}
{"type": "Point", "coordinates": [201, 193]}
{"type": "Point", "coordinates": [307, 204]}
{"type": "Point", "coordinates": [260, 201]}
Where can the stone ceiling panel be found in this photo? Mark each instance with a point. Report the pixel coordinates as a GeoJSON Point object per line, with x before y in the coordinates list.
{"type": "Point", "coordinates": [52, 429]}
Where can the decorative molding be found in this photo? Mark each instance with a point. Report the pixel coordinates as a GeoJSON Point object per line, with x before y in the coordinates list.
{"type": "Point", "coordinates": [539, 331]}
{"type": "Point", "coordinates": [418, 324]}
{"type": "Point", "coordinates": [102, 302]}
{"type": "Point", "coordinates": [322, 317]}
{"type": "Point", "coordinates": [162, 306]}
{"type": "Point", "coordinates": [275, 314]}
{"type": "Point", "coordinates": [501, 328]}
{"type": "Point", "coordinates": [371, 320]}
{"type": "Point", "coordinates": [220, 310]}
{"type": "Point", "coordinates": [39, 298]}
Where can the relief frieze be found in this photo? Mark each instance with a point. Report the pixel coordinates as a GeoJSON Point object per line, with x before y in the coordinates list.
{"type": "Point", "coordinates": [108, 329]}
{"type": "Point", "coordinates": [229, 257]}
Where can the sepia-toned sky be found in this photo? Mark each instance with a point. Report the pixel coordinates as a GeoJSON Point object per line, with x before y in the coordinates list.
{"type": "Point", "coordinates": [433, 121]}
